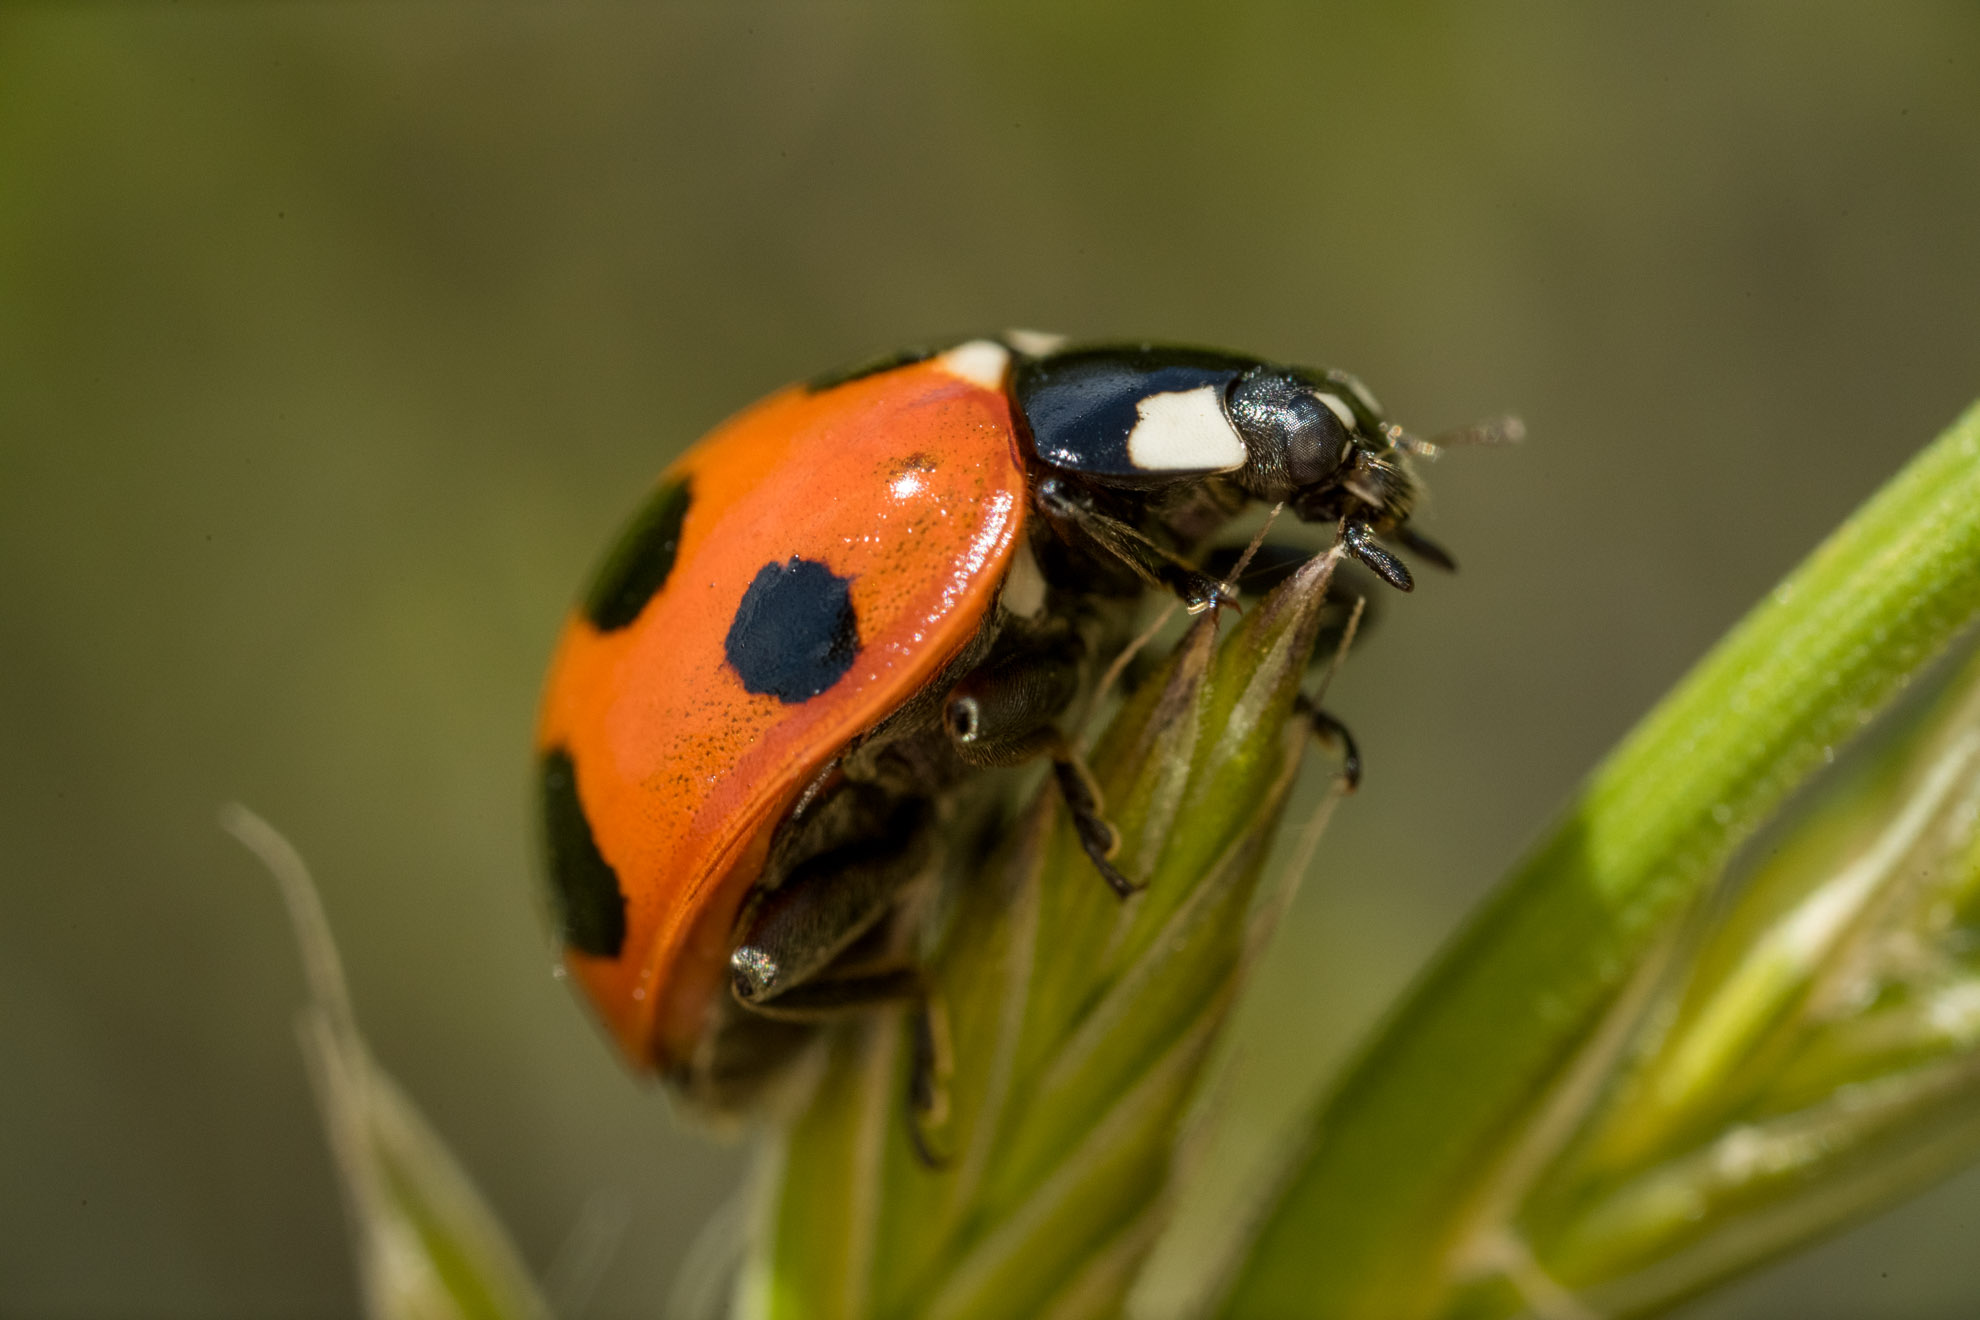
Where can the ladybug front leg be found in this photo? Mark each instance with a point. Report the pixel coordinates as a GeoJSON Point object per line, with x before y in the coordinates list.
{"type": "Point", "coordinates": [1073, 516]}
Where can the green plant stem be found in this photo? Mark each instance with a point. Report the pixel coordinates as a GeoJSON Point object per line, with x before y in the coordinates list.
{"type": "Point", "coordinates": [1406, 1147]}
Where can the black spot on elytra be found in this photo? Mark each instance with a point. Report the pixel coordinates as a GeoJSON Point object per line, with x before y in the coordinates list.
{"type": "Point", "coordinates": [591, 908]}
{"type": "Point", "coordinates": [641, 560]}
{"type": "Point", "coordinates": [794, 635]}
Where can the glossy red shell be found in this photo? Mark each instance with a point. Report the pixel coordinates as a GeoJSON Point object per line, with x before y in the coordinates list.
{"type": "Point", "coordinates": [911, 484]}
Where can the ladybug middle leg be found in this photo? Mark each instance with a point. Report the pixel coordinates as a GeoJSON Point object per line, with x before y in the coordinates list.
{"type": "Point", "coordinates": [1006, 712]}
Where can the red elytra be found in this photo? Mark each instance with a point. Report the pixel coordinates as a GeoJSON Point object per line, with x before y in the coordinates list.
{"type": "Point", "coordinates": [909, 486]}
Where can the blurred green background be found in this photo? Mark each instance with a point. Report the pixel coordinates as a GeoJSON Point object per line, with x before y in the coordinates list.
{"type": "Point", "coordinates": [334, 340]}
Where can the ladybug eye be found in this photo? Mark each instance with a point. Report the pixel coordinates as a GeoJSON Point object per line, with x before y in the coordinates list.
{"type": "Point", "coordinates": [1321, 444]}
{"type": "Point", "coordinates": [1290, 425]}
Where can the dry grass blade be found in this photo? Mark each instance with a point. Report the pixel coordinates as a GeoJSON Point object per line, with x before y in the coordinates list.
{"type": "Point", "coordinates": [427, 1247]}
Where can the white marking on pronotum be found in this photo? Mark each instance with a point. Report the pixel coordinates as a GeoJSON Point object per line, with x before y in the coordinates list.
{"type": "Point", "coordinates": [1024, 585]}
{"type": "Point", "coordinates": [1339, 409]}
{"type": "Point", "coordinates": [1185, 431]}
{"type": "Point", "coordinates": [1034, 343]}
{"type": "Point", "coordinates": [980, 362]}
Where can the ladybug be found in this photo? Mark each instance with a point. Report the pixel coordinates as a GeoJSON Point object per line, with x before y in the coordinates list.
{"type": "Point", "coordinates": [842, 602]}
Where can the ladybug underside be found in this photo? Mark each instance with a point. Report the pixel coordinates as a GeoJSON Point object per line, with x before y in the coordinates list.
{"type": "Point", "coordinates": [766, 721]}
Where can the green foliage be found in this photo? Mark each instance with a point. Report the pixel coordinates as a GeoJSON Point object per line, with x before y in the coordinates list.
{"type": "Point", "coordinates": [1810, 1053]}
{"type": "Point", "coordinates": [1425, 1150]}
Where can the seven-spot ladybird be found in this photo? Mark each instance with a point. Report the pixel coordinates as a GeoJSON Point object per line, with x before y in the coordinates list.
{"type": "Point", "coordinates": [841, 601]}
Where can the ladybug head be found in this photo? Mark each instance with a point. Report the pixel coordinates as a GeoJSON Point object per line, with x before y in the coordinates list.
{"type": "Point", "coordinates": [1318, 441]}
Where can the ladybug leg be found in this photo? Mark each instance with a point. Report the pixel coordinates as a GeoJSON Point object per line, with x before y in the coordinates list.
{"type": "Point", "coordinates": [1072, 514]}
{"type": "Point", "coordinates": [1097, 837]}
{"type": "Point", "coordinates": [1331, 731]}
{"type": "Point", "coordinates": [794, 931]}
{"type": "Point", "coordinates": [1325, 726]}
{"type": "Point", "coordinates": [930, 1065]}
{"type": "Point", "coordinates": [1003, 714]}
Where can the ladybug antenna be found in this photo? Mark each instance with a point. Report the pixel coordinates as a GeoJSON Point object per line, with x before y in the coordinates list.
{"type": "Point", "coordinates": [1506, 430]}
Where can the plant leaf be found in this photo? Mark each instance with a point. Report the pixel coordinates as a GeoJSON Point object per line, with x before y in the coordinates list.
{"type": "Point", "coordinates": [1408, 1146]}
{"type": "Point", "coordinates": [1814, 1053]}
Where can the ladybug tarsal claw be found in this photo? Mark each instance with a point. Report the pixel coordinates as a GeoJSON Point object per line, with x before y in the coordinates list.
{"type": "Point", "coordinates": [1330, 730]}
{"type": "Point", "coordinates": [755, 973]}
{"type": "Point", "coordinates": [926, 1154]}
{"type": "Point", "coordinates": [931, 1060]}
{"type": "Point", "coordinates": [1224, 597]}
{"type": "Point", "coordinates": [1123, 887]}
{"type": "Point", "coordinates": [1098, 839]}
{"type": "Point", "coordinates": [1204, 602]}
{"type": "Point", "coordinates": [1102, 843]}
